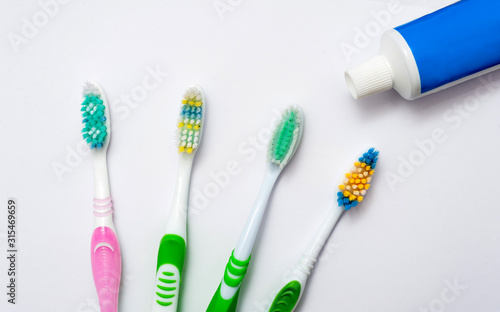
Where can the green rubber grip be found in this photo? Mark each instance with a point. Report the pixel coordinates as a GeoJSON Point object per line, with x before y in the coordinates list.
{"type": "Point", "coordinates": [287, 298]}
{"type": "Point", "coordinates": [170, 263]}
{"type": "Point", "coordinates": [219, 304]}
{"type": "Point", "coordinates": [172, 251]}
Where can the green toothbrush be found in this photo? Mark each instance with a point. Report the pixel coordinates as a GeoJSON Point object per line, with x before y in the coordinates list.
{"type": "Point", "coordinates": [282, 147]}
{"type": "Point", "coordinates": [172, 249]}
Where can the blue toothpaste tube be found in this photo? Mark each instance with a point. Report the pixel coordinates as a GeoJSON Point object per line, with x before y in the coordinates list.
{"type": "Point", "coordinates": [434, 52]}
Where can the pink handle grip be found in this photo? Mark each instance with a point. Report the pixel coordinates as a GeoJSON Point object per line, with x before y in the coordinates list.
{"type": "Point", "coordinates": [106, 267]}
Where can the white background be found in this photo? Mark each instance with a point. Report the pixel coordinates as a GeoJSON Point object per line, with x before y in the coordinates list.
{"type": "Point", "coordinates": [433, 224]}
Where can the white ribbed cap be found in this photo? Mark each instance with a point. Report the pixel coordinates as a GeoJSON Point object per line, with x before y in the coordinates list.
{"type": "Point", "coordinates": [370, 77]}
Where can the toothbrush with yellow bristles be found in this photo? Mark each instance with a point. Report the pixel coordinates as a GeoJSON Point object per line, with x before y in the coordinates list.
{"type": "Point", "coordinates": [173, 245]}
{"type": "Point", "coordinates": [351, 192]}
{"type": "Point", "coordinates": [190, 121]}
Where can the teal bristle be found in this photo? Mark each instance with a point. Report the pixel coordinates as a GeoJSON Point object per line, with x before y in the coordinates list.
{"type": "Point", "coordinates": [286, 137]}
{"type": "Point", "coordinates": [94, 130]}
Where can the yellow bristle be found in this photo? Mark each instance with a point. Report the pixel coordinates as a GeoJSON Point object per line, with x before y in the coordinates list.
{"type": "Point", "coordinates": [342, 186]}
{"type": "Point", "coordinates": [189, 126]}
{"type": "Point", "coordinates": [361, 186]}
{"type": "Point", "coordinates": [358, 180]}
{"type": "Point", "coordinates": [367, 186]}
{"type": "Point", "coordinates": [352, 197]}
{"type": "Point", "coordinates": [191, 102]}
{"type": "Point", "coordinates": [360, 198]}
{"type": "Point", "coordinates": [181, 149]}
{"type": "Point", "coordinates": [355, 175]}
{"type": "Point", "coordinates": [181, 124]}
{"type": "Point", "coordinates": [347, 175]}
{"type": "Point", "coordinates": [372, 172]}
{"type": "Point", "coordinates": [347, 194]}
{"type": "Point", "coordinates": [356, 164]}
{"type": "Point", "coordinates": [197, 127]}
{"type": "Point", "coordinates": [351, 181]}
{"type": "Point", "coordinates": [368, 167]}
{"type": "Point", "coordinates": [189, 150]}
{"type": "Point", "coordinates": [184, 101]}
{"type": "Point", "coordinates": [363, 164]}
{"type": "Point", "coordinates": [363, 181]}
{"type": "Point", "coordinates": [197, 104]}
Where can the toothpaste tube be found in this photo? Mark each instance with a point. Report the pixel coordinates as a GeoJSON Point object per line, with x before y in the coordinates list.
{"type": "Point", "coordinates": [434, 52]}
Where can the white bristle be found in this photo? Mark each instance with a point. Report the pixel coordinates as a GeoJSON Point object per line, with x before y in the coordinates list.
{"type": "Point", "coordinates": [90, 89]}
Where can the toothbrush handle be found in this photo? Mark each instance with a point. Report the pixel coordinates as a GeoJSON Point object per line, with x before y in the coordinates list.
{"type": "Point", "coordinates": [288, 296]}
{"type": "Point", "coordinates": [172, 251]}
{"type": "Point", "coordinates": [225, 298]}
{"type": "Point", "coordinates": [106, 267]}
{"type": "Point", "coordinates": [171, 255]}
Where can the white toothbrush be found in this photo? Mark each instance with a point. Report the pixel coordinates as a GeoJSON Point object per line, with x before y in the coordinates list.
{"type": "Point", "coordinates": [351, 192]}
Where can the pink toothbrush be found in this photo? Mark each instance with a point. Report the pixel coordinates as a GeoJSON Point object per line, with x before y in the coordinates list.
{"type": "Point", "coordinates": [105, 251]}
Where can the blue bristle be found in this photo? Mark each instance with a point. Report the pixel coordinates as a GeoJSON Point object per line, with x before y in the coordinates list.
{"type": "Point", "coordinates": [348, 206]}
{"type": "Point", "coordinates": [346, 200]}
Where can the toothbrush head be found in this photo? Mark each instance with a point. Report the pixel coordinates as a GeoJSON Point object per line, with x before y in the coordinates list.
{"type": "Point", "coordinates": [357, 181]}
{"type": "Point", "coordinates": [95, 115]}
{"type": "Point", "coordinates": [191, 118]}
{"type": "Point", "coordinates": [286, 137]}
